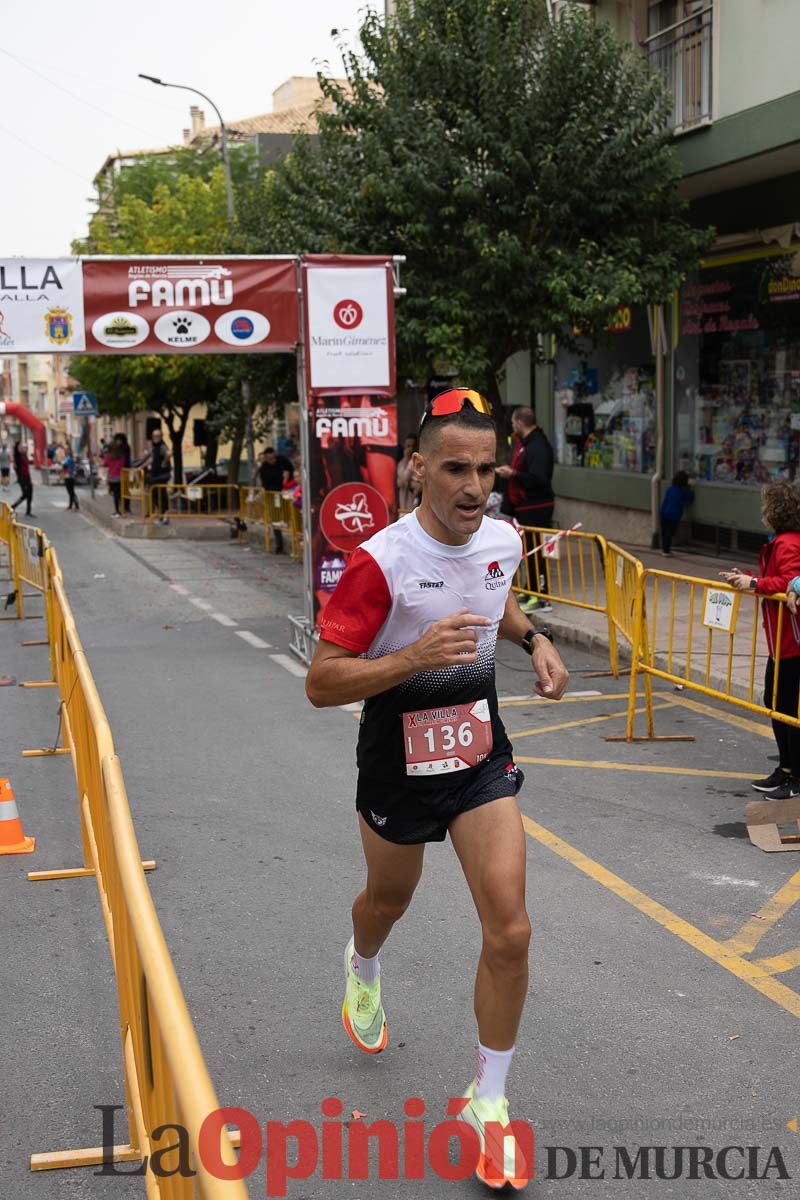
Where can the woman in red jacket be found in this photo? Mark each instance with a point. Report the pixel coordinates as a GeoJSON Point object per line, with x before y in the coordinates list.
{"type": "Point", "coordinates": [778, 564]}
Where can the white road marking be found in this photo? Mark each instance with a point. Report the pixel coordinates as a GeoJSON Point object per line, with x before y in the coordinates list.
{"type": "Point", "coordinates": [201, 603]}
{"type": "Point", "coordinates": [223, 619]}
{"type": "Point", "coordinates": [290, 664]}
{"type": "Point", "coordinates": [179, 588]}
{"type": "Point", "coordinates": [253, 639]}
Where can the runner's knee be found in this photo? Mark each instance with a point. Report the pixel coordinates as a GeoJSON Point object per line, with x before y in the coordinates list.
{"type": "Point", "coordinates": [388, 907]}
{"type": "Point", "coordinates": [506, 945]}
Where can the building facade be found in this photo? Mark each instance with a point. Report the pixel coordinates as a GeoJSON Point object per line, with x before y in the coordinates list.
{"type": "Point", "coordinates": [725, 405]}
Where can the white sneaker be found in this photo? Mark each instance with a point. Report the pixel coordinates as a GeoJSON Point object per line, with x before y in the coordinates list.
{"type": "Point", "coordinates": [498, 1164]}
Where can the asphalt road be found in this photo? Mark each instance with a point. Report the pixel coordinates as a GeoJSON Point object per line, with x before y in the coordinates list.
{"type": "Point", "coordinates": [636, 1032]}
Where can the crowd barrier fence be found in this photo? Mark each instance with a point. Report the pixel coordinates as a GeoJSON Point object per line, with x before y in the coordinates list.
{"type": "Point", "coordinates": [166, 1080]}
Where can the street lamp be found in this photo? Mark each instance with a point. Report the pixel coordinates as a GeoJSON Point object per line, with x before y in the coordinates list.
{"type": "Point", "coordinates": [226, 162]}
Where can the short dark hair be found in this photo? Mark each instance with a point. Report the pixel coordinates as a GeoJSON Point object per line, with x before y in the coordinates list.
{"type": "Point", "coordinates": [269, 450]}
{"type": "Point", "coordinates": [526, 415]}
{"type": "Point", "coordinates": [468, 418]}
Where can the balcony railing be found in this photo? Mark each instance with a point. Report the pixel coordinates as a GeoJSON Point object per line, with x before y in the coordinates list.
{"type": "Point", "coordinates": [683, 54]}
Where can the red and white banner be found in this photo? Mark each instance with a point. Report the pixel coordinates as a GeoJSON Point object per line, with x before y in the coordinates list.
{"type": "Point", "coordinates": [349, 325]}
{"type": "Point", "coordinates": [197, 306]}
{"type": "Point", "coordinates": [352, 481]}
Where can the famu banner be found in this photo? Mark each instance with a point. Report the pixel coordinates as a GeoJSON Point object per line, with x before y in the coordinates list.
{"type": "Point", "coordinates": [199, 306]}
{"type": "Point", "coordinates": [41, 305]}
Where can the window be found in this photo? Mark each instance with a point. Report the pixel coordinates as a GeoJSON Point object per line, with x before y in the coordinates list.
{"type": "Point", "coordinates": [605, 400]}
{"type": "Point", "coordinates": [737, 372]}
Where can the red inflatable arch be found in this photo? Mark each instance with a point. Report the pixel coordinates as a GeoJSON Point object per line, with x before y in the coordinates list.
{"type": "Point", "coordinates": [11, 408]}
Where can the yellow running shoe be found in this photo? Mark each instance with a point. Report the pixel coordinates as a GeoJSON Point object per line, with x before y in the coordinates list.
{"type": "Point", "coordinates": [362, 1013]}
{"type": "Point", "coordinates": [498, 1163]}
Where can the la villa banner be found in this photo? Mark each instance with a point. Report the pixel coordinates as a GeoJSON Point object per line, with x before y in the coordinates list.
{"type": "Point", "coordinates": [41, 305]}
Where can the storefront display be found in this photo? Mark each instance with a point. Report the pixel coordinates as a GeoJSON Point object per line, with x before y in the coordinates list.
{"type": "Point", "coordinates": [737, 372]}
{"type": "Point", "coordinates": [605, 401]}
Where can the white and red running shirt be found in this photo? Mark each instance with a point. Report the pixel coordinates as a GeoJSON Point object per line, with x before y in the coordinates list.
{"type": "Point", "coordinates": [395, 586]}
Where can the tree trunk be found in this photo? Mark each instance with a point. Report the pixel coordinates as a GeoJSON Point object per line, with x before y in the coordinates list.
{"type": "Point", "coordinates": [176, 435]}
{"type": "Point", "coordinates": [248, 432]}
{"type": "Point", "coordinates": [236, 451]}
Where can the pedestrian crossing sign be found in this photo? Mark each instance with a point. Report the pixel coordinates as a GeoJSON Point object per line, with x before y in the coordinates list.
{"type": "Point", "coordinates": [84, 404]}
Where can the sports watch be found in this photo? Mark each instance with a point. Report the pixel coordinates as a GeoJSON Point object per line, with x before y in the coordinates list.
{"type": "Point", "coordinates": [527, 641]}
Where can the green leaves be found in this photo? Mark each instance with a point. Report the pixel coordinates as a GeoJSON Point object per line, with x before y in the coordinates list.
{"type": "Point", "coordinates": [524, 168]}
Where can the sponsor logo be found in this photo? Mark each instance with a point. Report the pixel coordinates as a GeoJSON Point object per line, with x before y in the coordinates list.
{"type": "Point", "coordinates": [355, 515]}
{"type": "Point", "coordinates": [350, 514]}
{"type": "Point", "coordinates": [242, 326]}
{"type": "Point", "coordinates": [58, 325]}
{"type": "Point", "coordinates": [372, 425]}
{"type": "Point", "coordinates": [379, 821]}
{"type": "Point", "coordinates": [494, 577]}
{"type": "Point", "coordinates": [348, 314]}
{"type": "Point", "coordinates": [182, 328]}
{"type": "Point", "coordinates": [118, 329]}
{"type": "Point", "coordinates": [329, 572]}
{"type": "Point", "coordinates": [181, 286]}
{"type": "Point", "coordinates": [431, 583]}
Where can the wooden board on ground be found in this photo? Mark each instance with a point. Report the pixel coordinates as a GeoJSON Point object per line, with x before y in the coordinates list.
{"type": "Point", "coordinates": [763, 818]}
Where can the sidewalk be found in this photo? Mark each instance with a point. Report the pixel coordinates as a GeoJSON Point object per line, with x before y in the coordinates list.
{"type": "Point", "coordinates": [199, 529]}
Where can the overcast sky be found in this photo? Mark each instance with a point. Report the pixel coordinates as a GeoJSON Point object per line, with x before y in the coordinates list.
{"type": "Point", "coordinates": [77, 97]}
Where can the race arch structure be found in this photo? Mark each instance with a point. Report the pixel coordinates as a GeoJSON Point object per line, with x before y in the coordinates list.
{"type": "Point", "coordinates": [10, 408]}
{"type": "Point", "coordinates": [334, 313]}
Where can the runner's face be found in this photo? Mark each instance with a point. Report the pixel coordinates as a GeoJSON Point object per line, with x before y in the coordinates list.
{"type": "Point", "coordinates": [457, 475]}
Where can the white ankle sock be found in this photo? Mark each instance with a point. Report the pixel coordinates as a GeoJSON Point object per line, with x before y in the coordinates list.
{"type": "Point", "coordinates": [367, 969]}
{"type": "Point", "coordinates": [492, 1071]}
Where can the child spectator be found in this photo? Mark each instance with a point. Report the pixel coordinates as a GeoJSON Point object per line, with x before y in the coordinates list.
{"type": "Point", "coordinates": [676, 498]}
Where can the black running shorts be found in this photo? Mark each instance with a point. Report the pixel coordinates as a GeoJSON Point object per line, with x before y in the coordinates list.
{"type": "Point", "coordinates": [408, 815]}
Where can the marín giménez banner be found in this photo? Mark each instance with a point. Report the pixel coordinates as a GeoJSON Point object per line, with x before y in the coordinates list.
{"type": "Point", "coordinates": [349, 326]}
{"type": "Point", "coordinates": [41, 305]}
{"type": "Point", "coordinates": [197, 306]}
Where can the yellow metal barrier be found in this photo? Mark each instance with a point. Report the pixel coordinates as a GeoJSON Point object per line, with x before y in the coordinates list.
{"type": "Point", "coordinates": [133, 493]}
{"type": "Point", "coordinates": [183, 500]}
{"type": "Point", "coordinates": [573, 566]}
{"type": "Point", "coordinates": [165, 1077]}
{"type": "Point", "coordinates": [281, 514]}
{"type": "Point", "coordinates": [706, 636]}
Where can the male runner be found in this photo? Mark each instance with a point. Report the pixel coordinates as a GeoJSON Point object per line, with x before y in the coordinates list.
{"type": "Point", "coordinates": [412, 628]}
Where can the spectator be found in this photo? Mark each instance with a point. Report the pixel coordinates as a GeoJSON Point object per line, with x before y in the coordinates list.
{"type": "Point", "coordinates": [677, 497]}
{"type": "Point", "coordinates": [113, 461]}
{"type": "Point", "coordinates": [529, 498]}
{"type": "Point", "coordinates": [5, 466]}
{"type": "Point", "coordinates": [275, 472]}
{"type": "Point", "coordinates": [22, 467]}
{"type": "Point", "coordinates": [68, 472]}
{"type": "Point", "coordinates": [158, 475]}
{"type": "Point", "coordinates": [122, 439]}
{"type": "Point", "coordinates": [778, 567]}
{"type": "Point", "coordinates": [406, 495]}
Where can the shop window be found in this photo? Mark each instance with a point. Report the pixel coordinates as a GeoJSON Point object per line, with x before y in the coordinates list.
{"type": "Point", "coordinates": [605, 400]}
{"type": "Point", "coordinates": [737, 373]}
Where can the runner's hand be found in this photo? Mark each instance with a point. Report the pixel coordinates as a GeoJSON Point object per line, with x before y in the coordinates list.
{"type": "Point", "coordinates": [553, 675]}
{"type": "Point", "coordinates": [452, 641]}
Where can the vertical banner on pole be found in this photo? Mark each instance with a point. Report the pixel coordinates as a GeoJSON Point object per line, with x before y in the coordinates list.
{"type": "Point", "coordinates": [352, 414]}
{"type": "Point", "coordinates": [352, 481]}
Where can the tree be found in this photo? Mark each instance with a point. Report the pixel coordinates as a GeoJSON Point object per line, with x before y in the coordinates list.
{"type": "Point", "coordinates": [524, 168]}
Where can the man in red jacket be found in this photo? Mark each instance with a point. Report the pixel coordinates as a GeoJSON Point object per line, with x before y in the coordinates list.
{"type": "Point", "coordinates": [530, 490]}
{"type": "Point", "coordinates": [778, 565]}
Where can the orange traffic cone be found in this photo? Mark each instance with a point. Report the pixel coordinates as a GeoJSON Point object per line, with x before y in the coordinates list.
{"type": "Point", "coordinates": [12, 839]}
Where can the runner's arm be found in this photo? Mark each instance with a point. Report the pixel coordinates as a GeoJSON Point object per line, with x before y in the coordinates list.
{"type": "Point", "coordinates": [340, 676]}
{"type": "Point", "coordinates": [553, 676]}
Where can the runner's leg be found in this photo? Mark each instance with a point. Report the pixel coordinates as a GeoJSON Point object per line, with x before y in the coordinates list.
{"type": "Point", "coordinates": [393, 873]}
{"type": "Point", "coordinates": [490, 844]}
